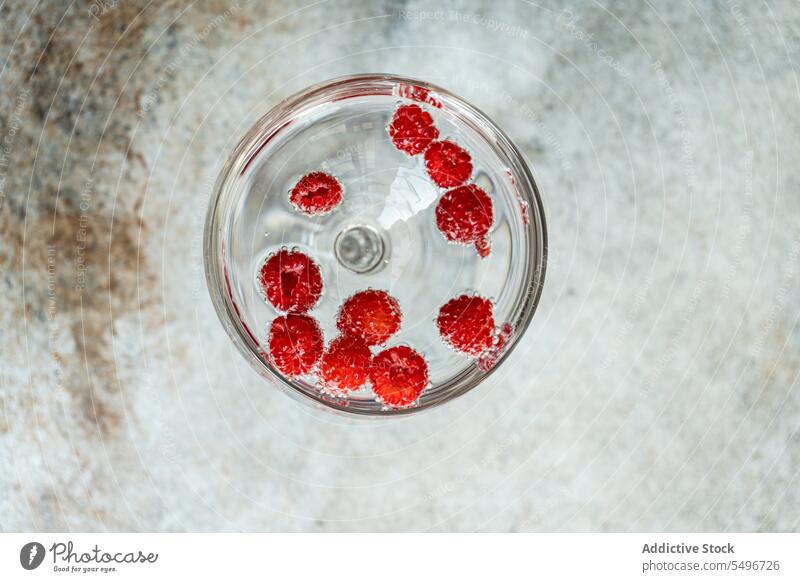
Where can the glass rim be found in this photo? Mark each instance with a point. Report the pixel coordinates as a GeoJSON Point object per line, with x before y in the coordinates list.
{"type": "Point", "coordinates": [278, 118]}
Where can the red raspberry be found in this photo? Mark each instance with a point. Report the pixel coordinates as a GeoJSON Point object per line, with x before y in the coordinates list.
{"type": "Point", "coordinates": [345, 365]}
{"type": "Point", "coordinates": [412, 129]}
{"type": "Point", "coordinates": [464, 215]}
{"type": "Point", "coordinates": [448, 164]}
{"type": "Point", "coordinates": [398, 375]}
{"type": "Point", "coordinates": [372, 315]}
{"type": "Point", "coordinates": [316, 193]}
{"type": "Point", "coordinates": [466, 324]}
{"type": "Point", "coordinates": [295, 344]}
{"type": "Point", "coordinates": [291, 281]}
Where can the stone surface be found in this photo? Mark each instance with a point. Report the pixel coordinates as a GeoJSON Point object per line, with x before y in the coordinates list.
{"type": "Point", "coordinates": [657, 388]}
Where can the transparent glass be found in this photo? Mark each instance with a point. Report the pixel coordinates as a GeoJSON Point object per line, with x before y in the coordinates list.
{"type": "Point", "coordinates": [382, 236]}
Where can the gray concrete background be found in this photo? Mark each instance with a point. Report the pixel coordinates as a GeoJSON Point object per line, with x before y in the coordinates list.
{"type": "Point", "coordinates": [655, 390]}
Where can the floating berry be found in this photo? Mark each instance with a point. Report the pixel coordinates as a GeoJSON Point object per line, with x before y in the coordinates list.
{"type": "Point", "coordinates": [466, 323]}
{"type": "Point", "coordinates": [372, 315]}
{"type": "Point", "coordinates": [316, 193]}
{"type": "Point", "coordinates": [398, 375]}
{"type": "Point", "coordinates": [448, 164]}
{"type": "Point", "coordinates": [295, 344]}
{"type": "Point", "coordinates": [412, 129]}
{"type": "Point", "coordinates": [291, 281]}
{"type": "Point", "coordinates": [464, 215]}
{"type": "Point", "coordinates": [345, 365]}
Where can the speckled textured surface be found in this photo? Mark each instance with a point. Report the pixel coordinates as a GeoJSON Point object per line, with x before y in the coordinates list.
{"type": "Point", "coordinates": [657, 388]}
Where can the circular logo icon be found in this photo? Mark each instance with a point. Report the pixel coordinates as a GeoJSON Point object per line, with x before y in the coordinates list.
{"type": "Point", "coordinates": [31, 555]}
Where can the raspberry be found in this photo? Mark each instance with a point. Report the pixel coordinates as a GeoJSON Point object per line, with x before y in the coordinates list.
{"type": "Point", "coordinates": [291, 281]}
{"type": "Point", "coordinates": [464, 215]}
{"type": "Point", "coordinates": [345, 365]}
{"type": "Point", "coordinates": [466, 324]}
{"type": "Point", "coordinates": [316, 193]}
{"type": "Point", "coordinates": [295, 344]}
{"type": "Point", "coordinates": [398, 375]}
{"type": "Point", "coordinates": [412, 129]}
{"type": "Point", "coordinates": [448, 164]}
{"type": "Point", "coordinates": [371, 315]}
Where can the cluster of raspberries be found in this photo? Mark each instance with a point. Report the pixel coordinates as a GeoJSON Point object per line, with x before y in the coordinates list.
{"type": "Point", "coordinates": [292, 283]}
{"type": "Point", "coordinates": [464, 213]}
